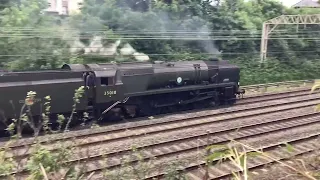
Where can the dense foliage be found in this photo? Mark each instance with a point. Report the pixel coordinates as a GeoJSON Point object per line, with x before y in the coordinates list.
{"type": "Point", "coordinates": [164, 30]}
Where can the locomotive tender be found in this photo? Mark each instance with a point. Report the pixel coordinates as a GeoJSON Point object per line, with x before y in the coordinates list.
{"type": "Point", "coordinates": [126, 89]}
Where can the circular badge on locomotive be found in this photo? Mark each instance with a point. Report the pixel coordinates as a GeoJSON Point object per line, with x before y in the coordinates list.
{"type": "Point", "coordinates": [179, 80]}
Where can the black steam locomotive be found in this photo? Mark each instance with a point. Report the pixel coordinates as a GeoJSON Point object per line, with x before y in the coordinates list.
{"type": "Point", "coordinates": [125, 89]}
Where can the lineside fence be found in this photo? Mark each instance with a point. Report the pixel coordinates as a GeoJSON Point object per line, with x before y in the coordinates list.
{"type": "Point", "coordinates": [288, 84]}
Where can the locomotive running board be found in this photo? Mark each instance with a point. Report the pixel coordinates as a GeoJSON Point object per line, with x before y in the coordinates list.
{"type": "Point", "coordinates": [180, 89]}
{"type": "Point", "coordinates": [196, 99]}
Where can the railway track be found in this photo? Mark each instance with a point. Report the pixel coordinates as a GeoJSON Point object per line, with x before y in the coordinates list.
{"type": "Point", "coordinates": [174, 122]}
{"type": "Point", "coordinates": [305, 162]}
{"type": "Point", "coordinates": [274, 95]}
{"type": "Point", "coordinates": [297, 108]}
{"type": "Point", "coordinates": [287, 84]}
{"type": "Point", "coordinates": [240, 106]}
{"type": "Point", "coordinates": [246, 100]}
{"type": "Point", "coordinates": [300, 146]}
{"type": "Point", "coordinates": [190, 145]}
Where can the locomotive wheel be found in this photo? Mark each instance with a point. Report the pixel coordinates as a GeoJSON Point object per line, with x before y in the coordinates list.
{"type": "Point", "coordinates": [130, 111]}
{"type": "Point", "coordinates": [201, 104]}
{"type": "Point", "coordinates": [148, 111]}
{"type": "Point", "coordinates": [164, 110]}
{"type": "Point", "coordinates": [232, 101]}
{"type": "Point", "coordinates": [115, 114]}
{"type": "Point", "coordinates": [172, 109]}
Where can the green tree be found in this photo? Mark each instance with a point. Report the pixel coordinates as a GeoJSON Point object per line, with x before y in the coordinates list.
{"type": "Point", "coordinates": [146, 26]}
{"type": "Point", "coordinates": [30, 37]}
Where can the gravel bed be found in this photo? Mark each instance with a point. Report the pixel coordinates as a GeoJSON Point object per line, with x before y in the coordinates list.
{"type": "Point", "coordinates": [248, 142]}
{"type": "Point", "coordinates": [178, 134]}
{"type": "Point", "coordinates": [271, 138]}
{"type": "Point", "coordinates": [218, 126]}
{"type": "Point", "coordinates": [158, 137]}
{"type": "Point", "coordinates": [100, 149]}
{"type": "Point", "coordinates": [283, 136]}
{"type": "Point", "coordinates": [277, 171]}
{"type": "Point", "coordinates": [185, 159]}
{"type": "Point", "coordinates": [162, 119]}
{"type": "Point", "coordinates": [278, 89]}
{"type": "Point", "coordinates": [271, 96]}
{"type": "Point", "coordinates": [217, 120]}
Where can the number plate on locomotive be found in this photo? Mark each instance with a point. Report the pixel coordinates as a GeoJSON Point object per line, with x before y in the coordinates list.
{"type": "Point", "coordinates": [110, 93]}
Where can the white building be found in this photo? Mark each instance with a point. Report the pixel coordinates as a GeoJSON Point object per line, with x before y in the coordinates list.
{"type": "Point", "coordinates": [64, 7]}
{"type": "Point", "coordinates": [74, 6]}
{"type": "Point", "coordinates": [307, 4]}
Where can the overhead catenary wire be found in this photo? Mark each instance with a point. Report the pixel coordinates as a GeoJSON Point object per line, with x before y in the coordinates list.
{"type": "Point", "coordinates": [104, 30]}
{"type": "Point", "coordinates": [291, 44]}
{"type": "Point", "coordinates": [246, 32]}
{"type": "Point", "coordinates": [68, 46]}
{"type": "Point", "coordinates": [150, 36]}
{"type": "Point", "coordinates": [167, 38]}
{"type": "Point", "coordinates": [25, 33]}
{"type": "Point", "coordinates": [164, 54]}
{"type": "Point", "coordinates": [89, 29]}
{"type": "Point", "coordinates": [58, 32]}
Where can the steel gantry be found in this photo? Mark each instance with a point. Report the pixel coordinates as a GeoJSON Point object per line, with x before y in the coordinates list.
{"type": "Point", "coordinates": [271, 24]}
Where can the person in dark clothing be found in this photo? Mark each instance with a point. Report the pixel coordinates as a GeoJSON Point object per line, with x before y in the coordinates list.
{"type": "Point", "coordinates": [90, 80]}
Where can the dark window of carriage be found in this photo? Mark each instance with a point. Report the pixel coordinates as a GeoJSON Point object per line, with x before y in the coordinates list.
{"type": "Point", "coordinates": [106, 81]}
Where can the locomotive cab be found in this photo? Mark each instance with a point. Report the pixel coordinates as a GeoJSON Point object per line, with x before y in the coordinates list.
{"type": "Point", "coordinates": [109, 86]}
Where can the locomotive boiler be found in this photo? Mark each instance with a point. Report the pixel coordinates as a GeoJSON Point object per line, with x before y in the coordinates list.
{"type": "Point", "coordinates": [125, 89]}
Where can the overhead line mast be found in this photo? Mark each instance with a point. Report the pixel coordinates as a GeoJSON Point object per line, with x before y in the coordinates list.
{"type": "Point", "coordinates": [270, 25]}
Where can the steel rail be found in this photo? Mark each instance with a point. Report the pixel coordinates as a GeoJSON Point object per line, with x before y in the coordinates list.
{"type": "Point", "coordinates": [220, 172]}
{"type": "Point", "coordinates": [246, 100]}
{"type": "Point", "coordinates": [273, 126]}
{"type": "Point", "coordinates": [175, 124]}
{"type": "Point", "coordinates": [273, 96]}
{"type": "Point", "coordinates": [278, 125]}
{"type": "Point", "coordinates": [130, 125]}
{"type": "Point", "coordinates": [178, 150]}
{"type": "Point", "coordinates": [254, 86]}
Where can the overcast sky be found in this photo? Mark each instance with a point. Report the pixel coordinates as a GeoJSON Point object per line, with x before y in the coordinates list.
{"type": "Point", "coordinates": [289, 2]}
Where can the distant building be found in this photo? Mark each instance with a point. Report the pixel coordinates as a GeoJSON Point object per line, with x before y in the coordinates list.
{"type": "Point", "coordinates": [307, 4]}
{"type": "Point", "coordinates": [74, 6]}
{"type": "Point", "coordinates": [64, 7]}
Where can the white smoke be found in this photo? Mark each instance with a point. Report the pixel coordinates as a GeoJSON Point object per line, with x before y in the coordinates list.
{"type": "Point", "coordinates": [96, 47]}
{"type": "Point", "coordinates": [198, 27]}
{"type": "Point", "coordinates": [209, 46]}
{"type": "Point", "coordinates": [127, 49]}
{"type": "Point", "coordinates": [141, 56]}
